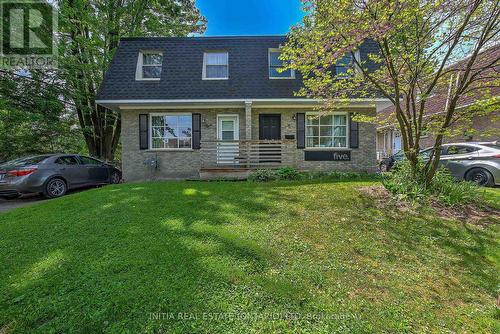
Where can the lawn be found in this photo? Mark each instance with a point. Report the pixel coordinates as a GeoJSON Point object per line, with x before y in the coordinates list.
{"type": "Point", "coordinates": [237, 257]}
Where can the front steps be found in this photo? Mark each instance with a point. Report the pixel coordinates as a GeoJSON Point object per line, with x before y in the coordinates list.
{"type": "Point", "coordinates": [224, 173]}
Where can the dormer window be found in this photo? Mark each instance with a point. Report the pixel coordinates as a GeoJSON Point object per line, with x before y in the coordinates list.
{"type": "Point", "coordinates": [345, 64]}
{"type": "Point", "coordinates": [215, 65]}
{"type": "Point", "coordinates": [275, 63]}
{"type": "Point", "coordinates": [149, 65]}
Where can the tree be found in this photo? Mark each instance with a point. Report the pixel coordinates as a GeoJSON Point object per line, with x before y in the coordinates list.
{"type": "Point", "coordinates": [416, 41]}
{"type": "Point", "coordinates": [33, 119]}
{"type": "Point", "coordinates": [89, 34]}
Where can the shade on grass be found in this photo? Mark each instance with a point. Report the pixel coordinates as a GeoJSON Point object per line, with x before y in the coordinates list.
{"type": "Point", "coordinates": [226, 257]}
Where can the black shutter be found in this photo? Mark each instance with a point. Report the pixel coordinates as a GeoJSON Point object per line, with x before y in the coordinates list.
{"type": "Point", "coordinates": [143, 132]}
{"type": "Point", "coordinates": [301, 130]}
{"type": "Point", "coordinates": [353, 133]}
{"type": "Point", "coordinates": [196, 131]}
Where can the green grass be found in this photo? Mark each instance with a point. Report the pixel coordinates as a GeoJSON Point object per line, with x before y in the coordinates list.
{"type": "Point", "coordinates": [236, 257]}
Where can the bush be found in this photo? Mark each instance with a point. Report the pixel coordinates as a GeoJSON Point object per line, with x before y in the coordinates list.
{"type": "Point", "coordinates": [345, 175]}
{"type": "Point", "coordinates": [443, 188]}
{"type": "Point", "coordinates": [288, 173]}
{"type": "Point", "coordinates": [262, 175]}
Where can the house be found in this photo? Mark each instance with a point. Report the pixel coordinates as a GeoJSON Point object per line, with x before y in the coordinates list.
{"type": "Point", "coordinates": [484, 126]}
{"type": "Point", "coordinates": [205, 107]}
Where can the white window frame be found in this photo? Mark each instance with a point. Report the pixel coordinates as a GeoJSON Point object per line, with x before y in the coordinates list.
{"type": "Point", "coordinates": [236, 129]}
{"type": "Point", "coordinates": [357, 69]}
{"type": "Point", "coordinates": [347, 129]}
{"type": "Point", "coordinates": [140, 64]}
{"type": "Point", "coordinates": [292, 71]}
{"type": "Point", "coordinates": [168, 148]}
{"type": "Point", "coordinates": [204, 70]}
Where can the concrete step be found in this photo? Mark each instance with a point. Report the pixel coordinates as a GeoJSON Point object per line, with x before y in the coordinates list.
{"type": "Point", "coordinates": [224, 173]}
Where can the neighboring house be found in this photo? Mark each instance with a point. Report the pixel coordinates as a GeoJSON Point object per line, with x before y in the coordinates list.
{"type": "Point", "coordinates": [218, 106]}
{"type": "Point", "coordinates": [483, 126]}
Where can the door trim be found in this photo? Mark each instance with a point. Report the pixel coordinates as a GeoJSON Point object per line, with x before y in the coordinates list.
{"type": "Point", "coordinates": [260, 125]}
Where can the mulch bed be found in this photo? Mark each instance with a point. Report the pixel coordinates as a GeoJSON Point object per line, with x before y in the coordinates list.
{"type": "Point", "coordinates": [482, 216]}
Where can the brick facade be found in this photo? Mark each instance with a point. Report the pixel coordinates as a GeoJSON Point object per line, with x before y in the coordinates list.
{"type": "Point", "coordinates": [187, 163]}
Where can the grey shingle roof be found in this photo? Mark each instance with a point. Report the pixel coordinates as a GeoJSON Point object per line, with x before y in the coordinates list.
{"type": "Point", "coordinates": [182, 70]}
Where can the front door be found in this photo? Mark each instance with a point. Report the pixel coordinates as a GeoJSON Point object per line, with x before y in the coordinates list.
{"type": "Point", "coordinates": [228, 135]}
{"type": "Point", "coordinates": [269, 129]}
{"type": "Point", "coordinates": [397, 142]}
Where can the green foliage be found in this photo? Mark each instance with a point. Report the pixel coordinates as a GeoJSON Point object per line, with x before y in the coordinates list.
{"type": "Point", "coordinates": [32, 118]}
{"type": "Point", "coordinates": [288, 173]}
{"type": "Point", "coordinates": [444, 188]}
{"type": "Point", "coordinates": [262, 175]}
{"type": "Point", "coordinates": [406, 48]}
{"type": "Point", "coordinates": [89, 32]}
{"type": "Point", "coordinates": [341, 176]}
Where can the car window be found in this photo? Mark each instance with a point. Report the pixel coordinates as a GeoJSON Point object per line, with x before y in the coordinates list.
{"type": "Point", "coordinates": [459, 149]}
{"type": "Point", "coordinates": [90, 161]}
{"type": "Point", "coordinates": [69, 160]}
{"type": "Point", "coordinates": [426, 153]}
{"type": "Point", "coordinates": [496, 146]}
{"type": "Point", "coordinates": [26, 161]}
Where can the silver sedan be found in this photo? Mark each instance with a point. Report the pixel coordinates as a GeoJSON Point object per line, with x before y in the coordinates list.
{"type": "Point", "coordinates": [477, 162]}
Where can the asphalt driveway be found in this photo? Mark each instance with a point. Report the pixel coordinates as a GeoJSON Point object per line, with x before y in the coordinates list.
{"type": "Point", "coordinates": [6, 205]}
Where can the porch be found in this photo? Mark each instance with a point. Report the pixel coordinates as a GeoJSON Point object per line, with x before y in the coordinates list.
{"type": "Point", "coordinates": [237, 158]}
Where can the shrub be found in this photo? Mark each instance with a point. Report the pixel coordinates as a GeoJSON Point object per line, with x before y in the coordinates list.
{"type": "Point", "coordinates": [262, 175]}
{"type": "Point", "coordinates": [288, 173]}
{"type": "Point", "coordinates": [443, 187]}
{"type": "Point", "coordinates": [450, 192]}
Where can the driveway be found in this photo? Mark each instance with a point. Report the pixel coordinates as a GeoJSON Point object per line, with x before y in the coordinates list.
{"type": "Point", "coordinates": [6, 205]}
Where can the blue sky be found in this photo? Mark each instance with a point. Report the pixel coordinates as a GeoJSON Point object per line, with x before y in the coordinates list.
{"type": "Point", "coordinates": [250, 17]}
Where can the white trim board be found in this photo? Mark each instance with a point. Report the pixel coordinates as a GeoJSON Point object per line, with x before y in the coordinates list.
{"type": "Point", "coordinates": [233, 103]}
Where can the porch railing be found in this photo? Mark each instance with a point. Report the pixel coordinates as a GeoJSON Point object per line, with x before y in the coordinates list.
{"type": "Point", "coordinates": [381, 154]}
{"type": "Point", "coordinates": [247, 153]}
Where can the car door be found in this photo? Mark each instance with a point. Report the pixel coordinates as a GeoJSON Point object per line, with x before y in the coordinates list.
{"type": "Point", "coordinates": [72, 170]}
{"type": "Point", "coordinates": [456, 158]}
{"type": "Point", "coordinates": [97, 171]}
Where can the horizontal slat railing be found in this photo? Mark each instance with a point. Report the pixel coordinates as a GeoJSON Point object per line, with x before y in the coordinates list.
{"type": "Point", "coordinates": [247, 153]}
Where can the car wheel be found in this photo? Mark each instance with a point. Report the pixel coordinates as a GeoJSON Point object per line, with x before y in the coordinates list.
{"type": "Point", "coordinates": [115, 178]}
{"type": "Point", "coordinates": [55, 188]}
{"type": "Point", "coordinates": [480, 176]}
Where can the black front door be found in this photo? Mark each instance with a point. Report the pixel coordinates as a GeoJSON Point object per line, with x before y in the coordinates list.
{"type": "Point", "coordinates": [269, 127]}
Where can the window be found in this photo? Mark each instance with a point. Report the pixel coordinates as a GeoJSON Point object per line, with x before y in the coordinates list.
{"type": "Point", "coordinates": [326, 131]}
{"type": "Point", "coordinates": [171, 131]}
{"type": "Point", "coordinates": [275, 64]}
{"type": "Point", "coordinates": [67, 161]}
{"type": "Point", "coordinates": [215, 66]}
{"type": "Point", "coordinates": [345, 64]}
{"type": "Point", "coordinates": [149, 65]}
{"type": "Point", "coordinates": [90, 161]}
{"type": "Point", "coordinates": [228, 127]}
{"type": "Point", "coordinates": [455, 149]}
{"type": "Point", "coordinates": [26, 161]}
